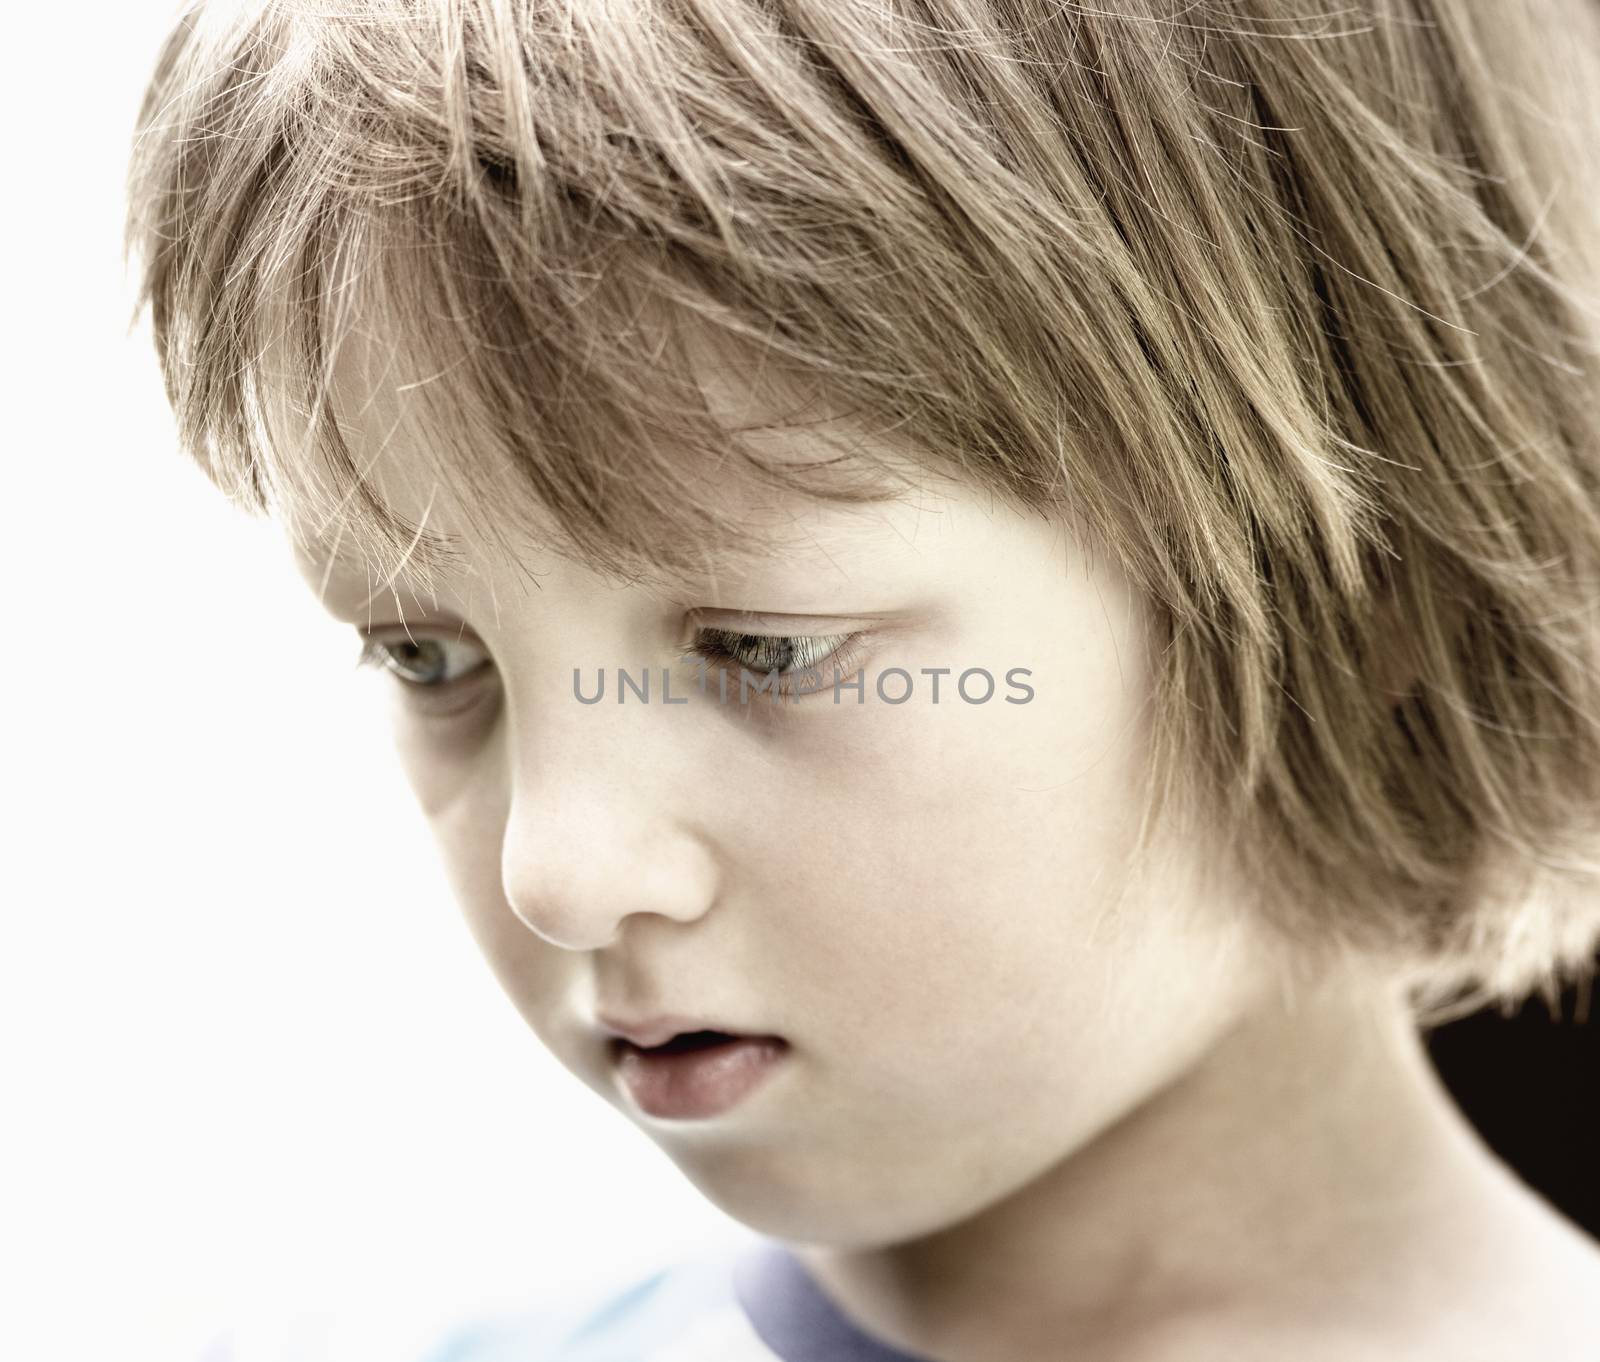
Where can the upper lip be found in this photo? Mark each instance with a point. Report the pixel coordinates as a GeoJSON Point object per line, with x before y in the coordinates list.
{"type": "Point", "coordinates": [649, 1031]}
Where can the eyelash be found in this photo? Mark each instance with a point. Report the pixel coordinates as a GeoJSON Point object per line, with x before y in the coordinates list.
{"type": "Point", "coordinates": [379, 653]}
{"type": "Point", "coordinates": [842, 657]}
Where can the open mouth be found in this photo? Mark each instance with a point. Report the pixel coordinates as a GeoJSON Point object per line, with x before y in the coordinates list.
{"type": "Point", "coordinates": [683, 1043]}
{"type": "Point", "coordinates": [696, 1074]}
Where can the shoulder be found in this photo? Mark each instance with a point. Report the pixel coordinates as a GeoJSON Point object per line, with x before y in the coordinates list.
{"type": "Point", "coordinates": [685, 1311]}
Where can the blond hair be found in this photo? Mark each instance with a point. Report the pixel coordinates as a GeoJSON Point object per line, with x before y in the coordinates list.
{"type": "Point", "coordinates": [1290, 309]}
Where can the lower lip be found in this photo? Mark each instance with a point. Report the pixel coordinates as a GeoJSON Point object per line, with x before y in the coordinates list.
{"type": "Point", "coordinates": [697, 1084]}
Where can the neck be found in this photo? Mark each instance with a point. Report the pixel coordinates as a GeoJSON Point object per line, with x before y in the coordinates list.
{"type": "Point", "coordinates": [1311, 1158]}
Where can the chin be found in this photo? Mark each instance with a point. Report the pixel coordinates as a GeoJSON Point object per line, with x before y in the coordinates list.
{"type": "Point", "coordinates": [783, 1196]}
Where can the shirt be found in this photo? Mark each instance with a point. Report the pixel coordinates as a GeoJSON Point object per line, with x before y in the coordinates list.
{"type": "Point", "coordinates": [755, 1302]}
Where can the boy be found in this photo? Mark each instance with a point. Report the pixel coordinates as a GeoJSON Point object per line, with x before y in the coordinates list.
{"type": "Point", "coordinates": [1225, 374]}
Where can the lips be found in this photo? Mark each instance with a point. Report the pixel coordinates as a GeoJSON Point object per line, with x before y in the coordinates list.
{"type": "Point", "coordinates": [649, 1032]}
{"type": "Point", "coordinates": [696, 1075]}
{"type": "Point", "coordinates": [677, 1067]}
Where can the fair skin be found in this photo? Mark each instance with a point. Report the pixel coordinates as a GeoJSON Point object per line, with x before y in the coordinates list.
{"type": "Point", "coordinates": [1041, 1102]}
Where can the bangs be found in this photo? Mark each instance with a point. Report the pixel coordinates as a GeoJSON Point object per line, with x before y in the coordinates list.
{"type": "Point", "coordinates": [549, 289]}
{"type": "Point", "coordinates": [636, 432]}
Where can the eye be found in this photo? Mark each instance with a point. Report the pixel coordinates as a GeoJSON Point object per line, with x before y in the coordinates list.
{"type": "Point", "coordinates": [423, 664]}
{"type": "Point", "coordinates": [791, 656]}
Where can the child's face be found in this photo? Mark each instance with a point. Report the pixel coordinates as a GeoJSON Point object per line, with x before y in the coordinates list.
{"type": "Point", "coordinates": [921, 898]}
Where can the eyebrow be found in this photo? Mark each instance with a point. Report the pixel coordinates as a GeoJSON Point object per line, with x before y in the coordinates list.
{"type": "Point", "coordinates": [435, 551]}
{"type": "Point", "coordinates": [438, 553]}
{"type": "Point", "coordinates": [442, 555]}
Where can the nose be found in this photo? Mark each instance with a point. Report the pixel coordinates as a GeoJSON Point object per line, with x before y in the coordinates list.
{"type": "Point", "coordinates": [596, 836]}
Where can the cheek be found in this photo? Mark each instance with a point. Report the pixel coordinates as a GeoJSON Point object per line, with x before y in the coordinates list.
{"type": "Point", "coordinates": [979, 965]}
{"type": "Point", "coordinates": [971, 851]}
{"type": "Point", "coordinates": [458, 780]}
{"type": "Point", "coordinates": [979, 906]}
{"type": "Point", "coordinates": [445, 761]}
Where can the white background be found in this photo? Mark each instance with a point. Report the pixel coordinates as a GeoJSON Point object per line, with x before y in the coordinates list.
{"type": "Point", "coordinates": [253, 1068]}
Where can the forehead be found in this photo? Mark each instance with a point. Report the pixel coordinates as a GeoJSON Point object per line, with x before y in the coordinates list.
{"type": "Point", "coordinates": [788, 423]}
